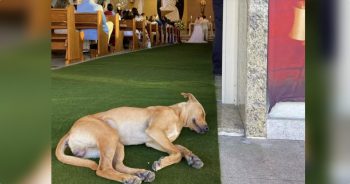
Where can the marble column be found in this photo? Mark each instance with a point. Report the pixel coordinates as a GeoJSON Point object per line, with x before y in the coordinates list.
{"type": "Point", "coordinates": [252, 65]}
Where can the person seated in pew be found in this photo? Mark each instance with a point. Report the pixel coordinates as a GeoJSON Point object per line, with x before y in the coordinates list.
{"type": "Point", "coordinates": [152, 20]}
{"type": "Point", "coordinates": [90, 6]}
{"type": "Point", "coordinates": [164, 22]}
{"type": "Point", "coordinates": [119, 11]}
{"type": "Point", "coordinates": [156, 18]}
{"type": "Point", "coordinates": [75, 3]}
{"type": "Point", "coordinates": [134, 15]}
{"type": "Point", "coordinates": [143, 17]}
{"type": "Point", "coordinates": [61, 4]}
{"type": "Point", "coordinates": [137, 16]}
{"type": "Point", "coordinates": [103, 3]}
{"type": "Point", "coordinates": [126, 14]}
{"type": "Point", "coordinates": [109, 10]}
{"type": "Point", "coordinates": [135, 12]}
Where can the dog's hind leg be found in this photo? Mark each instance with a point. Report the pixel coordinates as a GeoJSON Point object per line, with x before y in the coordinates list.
{"type": "Point", "coordinates": [192, 159]}
{"type": "Point", "coordinates": [107, 146]}
{"type": "Point", "coordinates": [145, 175]}
{"type": "Point", "coordinates": [72, 160]}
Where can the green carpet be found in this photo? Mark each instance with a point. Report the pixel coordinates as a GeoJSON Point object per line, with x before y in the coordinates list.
{"type": "Point", "coordinates": [144, 78]}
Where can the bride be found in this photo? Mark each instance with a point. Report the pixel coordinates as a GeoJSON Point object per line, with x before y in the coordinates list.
{"type": "Point", "coordinates": [197, 34]}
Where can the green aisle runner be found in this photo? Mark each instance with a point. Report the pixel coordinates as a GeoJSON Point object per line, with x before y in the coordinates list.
{"type": "Point", "coordinates": [145, 78]}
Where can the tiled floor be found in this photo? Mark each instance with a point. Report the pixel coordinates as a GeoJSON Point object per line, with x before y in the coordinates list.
{"type": "Point", "coordinates": [229, 121]}
{"type": "Point", "coordinates": [255, 161]}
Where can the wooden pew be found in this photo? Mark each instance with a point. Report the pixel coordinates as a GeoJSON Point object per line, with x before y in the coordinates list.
{"type": "Point", "coordinates": [153, 32]}
{"type": "Point", "coordinates": [141, 26]}
{"type": "Point", "coordinates": [118, 35]}
{"type": "Point", "coordinates": [94, 21]}
{"type": "Point", "coordinates": [130, 25]}
{"type": "Point", "coordinates": [169, 34]}
{"type": "Point", "coordinates": [177, 35]}
{"type": "Point", "coordinates": [72, 41]}
{"type": "Point", "coordinates": [161, 34]}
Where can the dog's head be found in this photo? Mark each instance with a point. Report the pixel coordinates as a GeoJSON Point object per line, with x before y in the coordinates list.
{"type": "Point", "coordinates": [195, 119]}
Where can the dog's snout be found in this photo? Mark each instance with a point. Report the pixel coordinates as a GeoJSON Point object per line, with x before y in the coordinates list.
{"type": "Point", "coordinates": [205, 128]}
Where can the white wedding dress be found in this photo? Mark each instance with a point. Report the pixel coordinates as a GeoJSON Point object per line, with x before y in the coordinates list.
{"type": "Point", "coordinates": [197, 34]}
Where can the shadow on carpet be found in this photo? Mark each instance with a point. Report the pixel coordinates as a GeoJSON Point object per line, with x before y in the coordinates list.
{"type": "Point", "coordinates": [140, 79]}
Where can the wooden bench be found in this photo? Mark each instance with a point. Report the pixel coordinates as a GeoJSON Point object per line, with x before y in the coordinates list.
{"type": "Point", "coordinates": [71, 41]}
{"type": "Point", "coordinates": [117, 35]}
{"type": "Point", "coordinates": [177, 35]}
{"type": "Point", "coordinates": [141, 26]}
{"type": "Point", "coordinates": [153, 33]}
{"type": "Point", "coordinates": [130, 25]}
{"type": "Point", "coordinates": [94, 21]}
{"type": "Point", "coordinates": [169, 38]}
{"type": "Point", "coordinates": [162, 34]}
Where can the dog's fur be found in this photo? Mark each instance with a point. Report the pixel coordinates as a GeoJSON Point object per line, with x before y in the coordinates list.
{"type": "Point", "coordinates": [105, 134]}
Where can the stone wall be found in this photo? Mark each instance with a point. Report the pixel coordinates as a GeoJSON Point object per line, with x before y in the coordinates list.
{"type": "Point", "coordinates": [252, 66]}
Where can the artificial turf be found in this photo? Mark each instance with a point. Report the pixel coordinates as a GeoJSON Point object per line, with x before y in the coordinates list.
{"type": "Point", "coordinates": [145, 78]}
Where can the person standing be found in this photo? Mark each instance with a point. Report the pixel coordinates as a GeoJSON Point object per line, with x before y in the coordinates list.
{"type": "Point", "coordinates": [217, 47]}
{"type": "Point", "coordinates": [197, 34]}
{"type": "Point", "coordinates": [205, 23]}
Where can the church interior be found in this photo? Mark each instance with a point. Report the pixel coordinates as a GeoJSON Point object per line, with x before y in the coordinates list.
{"type": "Point", "coordinates": [243, 60]}
{"type": "Point", "coordinates": [164, 23]}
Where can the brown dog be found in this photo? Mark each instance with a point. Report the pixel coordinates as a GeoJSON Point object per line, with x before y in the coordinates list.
{"type": "Point", "coordinates": [104, 135]}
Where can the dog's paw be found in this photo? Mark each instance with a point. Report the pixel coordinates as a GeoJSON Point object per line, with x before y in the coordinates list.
{"type": "Point", "coordinates": [194, 161]}
{"type": "Point", "coordinates": [156, 164]}
{"type": "Point", "coordinates": [133, 180]}
{"type": "Point", "coordinates": [146, 176]}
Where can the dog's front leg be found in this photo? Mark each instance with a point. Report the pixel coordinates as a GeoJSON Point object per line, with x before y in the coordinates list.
{"type": "Point", "coordinates": [160, 138]}
{"type": "Point", "coordinates": [192, 159]}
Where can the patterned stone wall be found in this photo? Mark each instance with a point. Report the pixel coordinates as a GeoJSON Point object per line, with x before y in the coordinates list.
{"type": "Point", "coordinates": [252, 66]}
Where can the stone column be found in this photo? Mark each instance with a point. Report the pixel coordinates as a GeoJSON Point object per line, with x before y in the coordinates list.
{"type": "Point", "coordinates": [252, 66]}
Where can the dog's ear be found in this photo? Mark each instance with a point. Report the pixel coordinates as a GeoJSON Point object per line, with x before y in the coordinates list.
{"type": "Point", "coordinates": [189, 96]}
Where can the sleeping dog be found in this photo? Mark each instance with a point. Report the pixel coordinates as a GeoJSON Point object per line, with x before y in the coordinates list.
{"type": "Point", "coordinates": [104, 135]}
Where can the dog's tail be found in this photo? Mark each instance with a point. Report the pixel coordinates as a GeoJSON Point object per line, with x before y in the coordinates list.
{"type": "Point", "coordinates": [72, 160]}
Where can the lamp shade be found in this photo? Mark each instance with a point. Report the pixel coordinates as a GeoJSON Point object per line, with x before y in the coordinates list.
{"type": "Point", "coordinates": [298, 28]}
